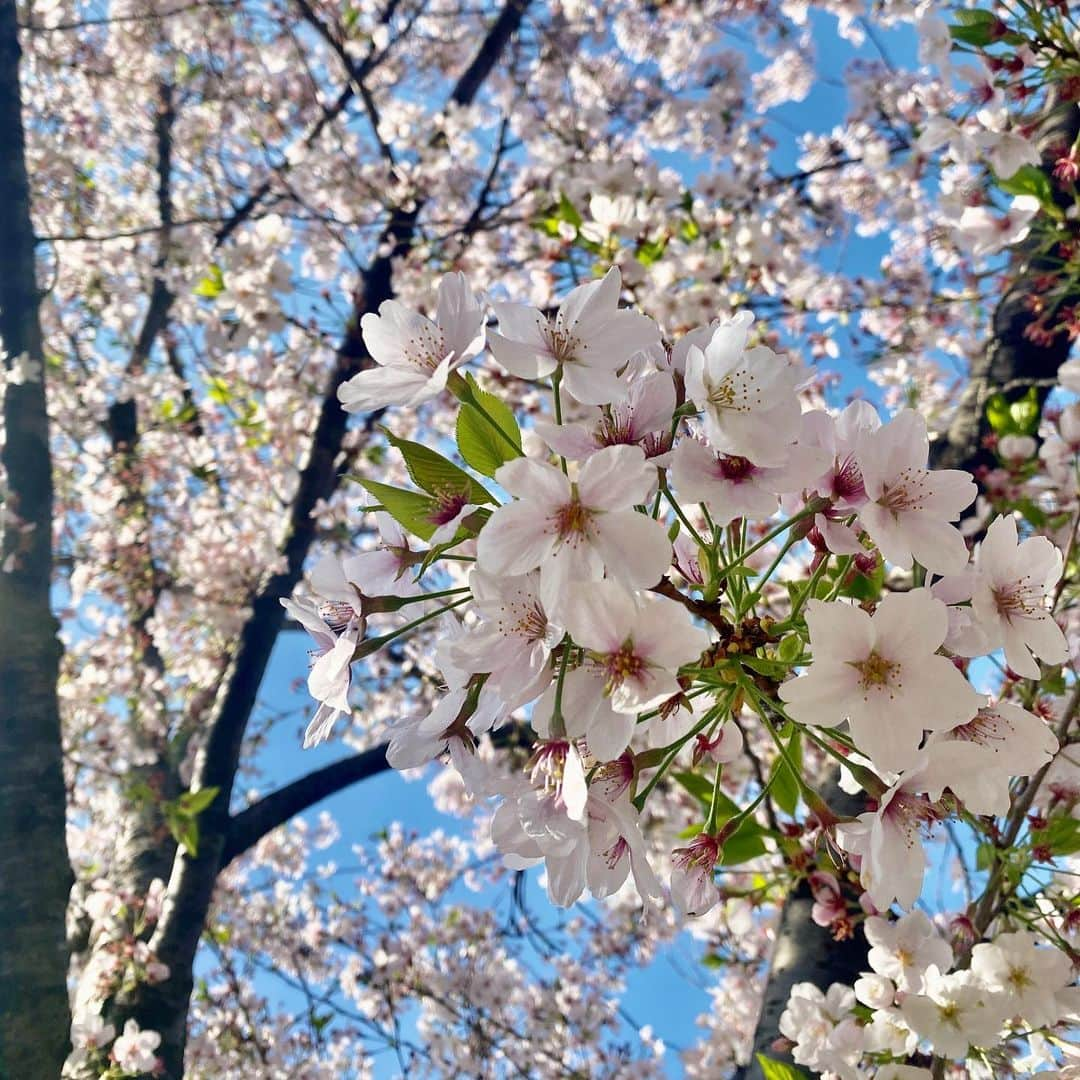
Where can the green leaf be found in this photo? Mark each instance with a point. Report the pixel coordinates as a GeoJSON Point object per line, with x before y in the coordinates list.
{"type": "Point", "coordinates": [218, 390]}
{"type": "Point", "coordinates": [1029, 180]}
{"type": "Point", "coordinates": [411, 510]}
{"type": "Point", "coordinates": [772, 1069]}
{"type": "Point", "coordinates": [650, 251]}
{"type": "Point", "coordinates": [213, 285]}
{"type": "Point", "coordinates": [784, 786]}
{"type": "Point", "coordinates": [790, 648]}
{"type": "Point", "coordinates": [771, 669]}
{"type": "Point", "coordinates": [1061, 836]}
{"type": "Point", "coordinates": [195, 802]}
{"type": "Point", "coordinates": [697, 785]}
{"type": "Point", "coordinates": [746, 843]}
{"type": "Point", "coordinates": [702, 790]}
{"type": "Point", "coordinates": [187, 836]}
{"type": "Point", "coordinates": [1035, 516]}
{"type": "Point", "coordinates": [689, 231]}
{"type": "Point", "coordinates": [435, 474]}
{"type": "Point", "coordinates": [1019, 417]}
{"type": "Point", "coordinates": [974, 27]}
{"type": "Point", "coordinates": [866, 586]}
{"type": "Point", "coordinates": [1025, 413]}
{"type": "Point", "coordinates": [568, 212]}
{"type": "Point", "coordinates": [487, 433]}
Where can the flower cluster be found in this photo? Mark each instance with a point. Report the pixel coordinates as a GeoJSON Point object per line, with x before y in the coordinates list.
{"type": "Point", "coordinates": [659, 558]}
{"type": "Point", "coordinates": [916, 1002]}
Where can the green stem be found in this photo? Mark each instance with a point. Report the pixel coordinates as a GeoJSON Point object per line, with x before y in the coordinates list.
{"type": "Point", "coordinates": [681, 516]}
{"type": "Point", "coordinates": [711, 717]}
{"type": "Point", "coordinates": [807, 511]}
{"type": "Point", "coordinates": [372, 645]}
{"type": "Point", "coordinates": [753, 597]}
{"type": "Point", "coordinates": [558, 725]}
{"type": "Point", "coordinates": [805, 595]}
{"type": "Point", "coordinates": [714, 806]}
{"type": "Point", "coordinates": [556, 397]}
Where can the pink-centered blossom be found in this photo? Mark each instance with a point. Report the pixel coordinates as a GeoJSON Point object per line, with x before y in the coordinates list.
{"type": "Point", "coordinates": [977, 759]}
{"type": "Point", "coordinates": [747, 395]}
{"type": "Point", "coordinates": [514, 639]}
{"type": "Point", "coordinates": [734, 487]}
{"type": "Point", "coordinates": [574, 530]}
{"type": "Point", "coordinates": [589, 341]}
{"type": "Point", "coordinates": [693, 884]}
{"type": "Point", "coordinates": [336, 630]}
{"type": "Point", "coordinates": [1012, 583]}
{"type": "Point", "coordinates": [635, 644]}
{"type": "Point", "coordinates": [908, 507]}
{"type": "Point", "coordinates": [642, 419]}
{"type": "Point", "coordinates": [881, 673]}
{"type": "Point", "coordinates": [413, 354]}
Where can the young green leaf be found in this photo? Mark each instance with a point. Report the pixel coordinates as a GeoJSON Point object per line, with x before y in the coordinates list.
{"type": "Point", "coordinates": [411, 510]}
{"type": "Point", "coordinates": [435, 474]}
{"type": "Point", "coordinates": [772, 1069]}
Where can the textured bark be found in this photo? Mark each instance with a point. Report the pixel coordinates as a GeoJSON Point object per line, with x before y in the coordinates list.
{"type": "Point", "coordinates": [1011, 363]}
{"type": "Point", "coordinates": [190, 889]}
{"type": "Point", "coordinates": [804, 952]}
{"type": "Point", "coordinates": [35, 876]}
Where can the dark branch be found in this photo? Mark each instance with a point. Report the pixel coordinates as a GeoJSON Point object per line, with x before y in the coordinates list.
{"type": "Point", "coordinates": [164, 1007]}
{"type": "Point", "coordinates": [251, 825]}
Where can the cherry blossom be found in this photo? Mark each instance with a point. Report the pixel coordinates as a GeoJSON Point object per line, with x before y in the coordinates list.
{"type": "Point", "coordinates": [953, 1012]}
{"type": "Point", "coordinates": [1011, 585]}
{"type": "Point", "coordinates": [514, 640]}
{"type": "Point", "coordinates": [134, 1049]}
{"type": "Point", "coordinates": [889, 845]}
{"type": "Point", "coordinates": [643, 419]}
{"type": "Point", "coordinates": [747, 395]}
{"type": "Point", "coordinates": [734, 487]}
{"type": "Point", "coordinates": [693, 886]}
{"type": "Point", "coordinates": [414, 354]}
{"type": "Point", "coordinates": [881, 673]}
{"type": "Point", "coordinates": [573, 530]}
{"type": "Point", "coordinates": [589, 341]}
{"type": "Point", "coordinates": [636, 644]}
{"type": "Point", "coordinates": [908, 506]}
{"type": "Point", "coordinates": [903, 950]}
{"type": "Point", "coordinates": [1027, 975]}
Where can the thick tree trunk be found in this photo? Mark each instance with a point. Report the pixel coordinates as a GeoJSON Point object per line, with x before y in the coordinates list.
{"type": "Point", "coordinates": [804, 952]}
{"type": "Point", "coordinates": [1011, 363]}
{"type": "Point", "coordinates": [35, 876]}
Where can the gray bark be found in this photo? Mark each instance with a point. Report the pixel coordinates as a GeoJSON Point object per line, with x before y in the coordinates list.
{"type": "Point", "coordinates": [35, 876]}
{"type": "Point", "coordinates": [804, 952]}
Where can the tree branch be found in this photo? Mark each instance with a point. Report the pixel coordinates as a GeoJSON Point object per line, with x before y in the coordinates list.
{"type": "Point", "coordinates": [1011, 362]}
{"type": "Point", "coordinates": [163, 1007]}
{"type": "Point", "coordinates": [249, 826]}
